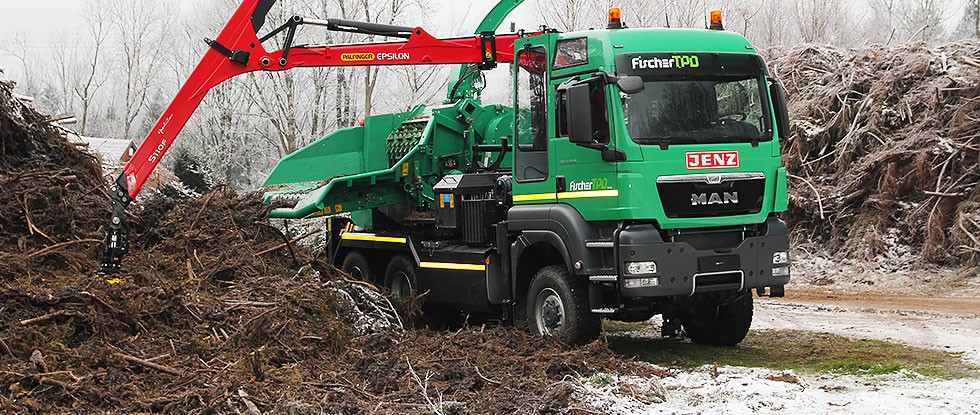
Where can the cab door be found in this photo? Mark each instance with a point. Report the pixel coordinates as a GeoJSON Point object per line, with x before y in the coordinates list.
{"type": "Point", "coordinates": [585, 180]}
{"type": "Point", "coordinates": [533, 161]}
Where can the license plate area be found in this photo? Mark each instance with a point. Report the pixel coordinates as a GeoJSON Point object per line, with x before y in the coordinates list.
{"type": "Point", "coordinates": [718, 263]}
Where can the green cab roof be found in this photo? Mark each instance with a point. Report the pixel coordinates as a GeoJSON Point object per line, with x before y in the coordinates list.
{"type": "Point", "coordinates": [605, 44]}
{"type": "Point", "coordinates": [666, 40]}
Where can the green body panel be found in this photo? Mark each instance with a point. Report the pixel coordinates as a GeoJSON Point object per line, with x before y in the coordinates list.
{"type": "Point", "coordinates": [347, 151]}
{"type": "Point", "coordinates": [782, 195]}
{"type": "Point", "coordinates": [641, 200]}
{"type": "Point", "coordinates": [634, 180]}
{"type": "Point", "coordinates": [386, 163]}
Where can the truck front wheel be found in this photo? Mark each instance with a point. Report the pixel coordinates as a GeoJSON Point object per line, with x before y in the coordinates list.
{"type": "Point", "coordinates": [719, 325]}
{"type": "Point", "coordinates": [558, 305]}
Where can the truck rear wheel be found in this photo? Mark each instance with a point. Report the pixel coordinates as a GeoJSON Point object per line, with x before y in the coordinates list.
{"type": "Point", "coordinates": [401, 278]}
{"type": "Point", "coordinates": [719, 325]}
{"type": "Point", "coordinates": [357, 266]}
{"type": "Point", "coordinates": [558, 305]}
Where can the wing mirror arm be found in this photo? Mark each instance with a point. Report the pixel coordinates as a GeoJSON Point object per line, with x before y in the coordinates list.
{"type": "Point", "coordinates": [578, 110]}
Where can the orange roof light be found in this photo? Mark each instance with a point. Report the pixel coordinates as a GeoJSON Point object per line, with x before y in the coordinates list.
{"type": "Point", "coordinates": [615, 19]}
{"type": "Point", "coordinates": [716, 20]}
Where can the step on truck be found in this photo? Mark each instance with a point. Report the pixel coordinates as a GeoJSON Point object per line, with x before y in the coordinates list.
{"type": "Point", "coordinates": [637, 172]}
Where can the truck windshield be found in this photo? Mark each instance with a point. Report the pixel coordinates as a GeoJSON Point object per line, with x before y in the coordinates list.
{"type": "Point", "coordinates": [698, 109]}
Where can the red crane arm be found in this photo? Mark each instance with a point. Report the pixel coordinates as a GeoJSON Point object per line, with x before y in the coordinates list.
{"type": "Point", "coordinates": [420, 48]}
{"type": "Point", "coordinates": [238, 50]}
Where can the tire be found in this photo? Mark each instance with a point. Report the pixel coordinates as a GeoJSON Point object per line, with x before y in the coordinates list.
{"type": "Point", "coordinates": [357, 266]}
{"type": "Point", "coordinates": [401, 279]}
{"type": "Point", "coordinates": [719, 325]}
{"type": "Point", "coordinates": [558, 305]}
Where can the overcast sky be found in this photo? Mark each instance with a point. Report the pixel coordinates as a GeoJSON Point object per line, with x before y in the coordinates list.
{"type": "Point", "coordinates": [42, 22]}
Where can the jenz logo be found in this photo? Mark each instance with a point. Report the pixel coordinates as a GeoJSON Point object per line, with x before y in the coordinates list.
{"type": "Point", "coordinates": [711, 159]}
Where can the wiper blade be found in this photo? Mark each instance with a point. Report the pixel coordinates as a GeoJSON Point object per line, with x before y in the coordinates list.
{"type": "Point", "coordinates": [752, 139]}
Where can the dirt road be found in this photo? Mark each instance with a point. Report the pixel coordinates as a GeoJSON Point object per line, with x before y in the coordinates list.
{"type": "Point", "coordinates": [969, 306]}
{"type": "Point", "coordinates": [950, 324]}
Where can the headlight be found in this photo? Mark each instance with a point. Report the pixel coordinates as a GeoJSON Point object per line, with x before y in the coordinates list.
{"type": "Point", "coordinates": [780, 271]}
{"type": "Point", "coordinates": [641, 268]}
{"type": "Point", "coordinates": [779, 258]}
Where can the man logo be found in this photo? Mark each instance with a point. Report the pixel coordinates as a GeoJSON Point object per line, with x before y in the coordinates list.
{"type": "Point", "coordinates": [706, 199]}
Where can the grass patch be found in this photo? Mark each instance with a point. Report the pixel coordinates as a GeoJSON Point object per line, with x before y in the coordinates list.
{"type": "Point", "coordinates": [798, 350]}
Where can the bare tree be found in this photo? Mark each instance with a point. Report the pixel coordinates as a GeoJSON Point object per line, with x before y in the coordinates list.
{"type": "Point", "coordinates": [924, 19]}
{"type": "Point", "coordinates": [821, 21]}
{"type": "Point", "coordinates": [142, 35]}
{"type": "Point", "coordinates": [91, 77]}
{"type": "Point", "coordinates": [566, 15]}
{"type": "Point", "coordinates": [19, 46]}
{"type": "Point", "coordinates": [969, 25]}
{"type": "Point", "coordinates": [386, 12]}
{"type": "Point", "coordinates": [416, 85]}
{"type": "Point", "coordinates": [907, 20]}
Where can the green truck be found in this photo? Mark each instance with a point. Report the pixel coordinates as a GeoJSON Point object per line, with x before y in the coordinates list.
{"type": "Point", "coordinates": [636, 173]}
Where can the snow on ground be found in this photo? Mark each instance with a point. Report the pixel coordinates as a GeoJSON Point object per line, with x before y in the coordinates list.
{"type": "Point", "coordinates": [741, 390]}
{"type": "Point", "coordinates": [898, 271]}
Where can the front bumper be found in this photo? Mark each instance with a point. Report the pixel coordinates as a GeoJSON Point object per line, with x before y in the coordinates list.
{"type": "Point", "coordinates": [683, 269]}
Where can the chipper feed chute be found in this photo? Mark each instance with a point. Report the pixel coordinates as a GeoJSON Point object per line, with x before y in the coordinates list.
{"type": "Point", "coordinates": [390, 160]}
{"type": "Point", "coordinates": [351, 169]}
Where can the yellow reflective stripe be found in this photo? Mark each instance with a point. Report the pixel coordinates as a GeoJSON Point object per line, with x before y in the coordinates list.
{"type": "Point", "coordinates": [534, 196]}
{"type": "Point", "coordinates": [566, 195]}
{"type": "Point", "coordinates": [372, 238]}
{"type": "Point", "coordinates": [588, 194]}
{"type": "Point", "coordinates": [453, 266]}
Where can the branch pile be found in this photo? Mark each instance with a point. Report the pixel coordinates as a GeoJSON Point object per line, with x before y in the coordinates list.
{"type": "Point", "coordinates": [222, 313]}
{"type": "Point", "coordinates": [885, 148]}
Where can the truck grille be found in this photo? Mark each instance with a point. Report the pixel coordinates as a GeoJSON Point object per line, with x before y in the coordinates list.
{"type": "Point", "coordinates": [708, 195]}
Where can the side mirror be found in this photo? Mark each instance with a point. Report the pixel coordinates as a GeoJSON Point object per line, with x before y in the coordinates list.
{"type": "Point", "coordinates": [630, 84]}
{"type": "Point", "coordinates": [779, 104]}
{"type": "Point", "coordinates": [578, 107]}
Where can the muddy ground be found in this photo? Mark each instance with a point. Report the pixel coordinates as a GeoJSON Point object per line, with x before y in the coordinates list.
{"type": "Point", "coordinates": [924, 323]}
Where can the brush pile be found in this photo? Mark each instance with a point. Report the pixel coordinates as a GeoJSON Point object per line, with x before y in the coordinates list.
{"type": "Point", "coordinates": [884, 150]}
{"type": "Point", "coordinates": [220, 313]}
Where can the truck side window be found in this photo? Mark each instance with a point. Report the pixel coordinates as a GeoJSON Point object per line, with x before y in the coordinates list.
{"type": "Point", "coordinates": [531, 125]}
{"type": "Point", "coordinates": [571, 52]}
